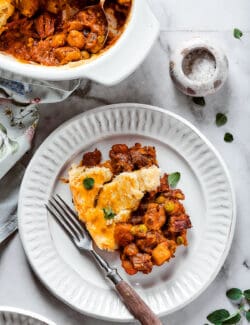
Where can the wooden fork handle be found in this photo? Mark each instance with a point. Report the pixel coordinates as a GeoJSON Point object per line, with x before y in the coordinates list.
{"type": "Point", "coordinates": [138, 308]}
{"type": "Point", "coordinates": [131, 299]}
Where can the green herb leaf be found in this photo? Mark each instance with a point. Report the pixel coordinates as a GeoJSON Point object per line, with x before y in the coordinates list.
{"type": "Point", "coordinates": [234, 294]}
{"type": "Point", "coordinates": [248, 315]}
{"type": "Point", "coordinates": [199, 101]}
{"type": "Point", "coordinates": [173, 179]}
{"type": "Point", "coordinates": [88, 183]}
{"type": "Point", "coordinates": [228, 137]}
{"type": "Point", "coordinates": [108, 213]}
{"type": "Point", "coordinates": [218, 316]}
{"type": "Point", "coordinates": [233, 319]}
{"type": "Point", "coordinates": [221, 119]}
{"type": "Point", "coordinates": [237, 33]}
{"type": "Point", "coordinates": [247, 294]}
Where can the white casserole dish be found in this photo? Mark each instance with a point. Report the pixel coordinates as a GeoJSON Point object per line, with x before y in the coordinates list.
{"type": "Point", "coordinates": [110, 67]}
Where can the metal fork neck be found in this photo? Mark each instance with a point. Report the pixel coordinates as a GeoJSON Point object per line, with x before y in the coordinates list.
{"type": "Point", "coordinates": [111, 273]}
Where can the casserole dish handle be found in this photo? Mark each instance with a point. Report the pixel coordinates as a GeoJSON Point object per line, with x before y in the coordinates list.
{"type": "Point", "coordinates": [129, 51]}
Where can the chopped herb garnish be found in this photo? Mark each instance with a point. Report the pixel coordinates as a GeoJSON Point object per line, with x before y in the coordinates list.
{"type": "Point", "coordinates": [237, 33]}
{"type": "Point", "coordinates": [173, 179]}
{"type": "Point", "coordinates": [199, 101]}
{"type": "Point", "coordinates": [108, 213]}
{"type": "Point", "coordinates": [88, 183]}
{"type": "Point", "coordinates": [221, 119]}
{"type": "Point", "coordinates": [228, 137]}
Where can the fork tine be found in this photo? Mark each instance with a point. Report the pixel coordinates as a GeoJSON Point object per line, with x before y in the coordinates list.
{"type": "Point", "coordinates": [82, 226]}
{"type": "Point", "coordinates": [63, 215]}
{"type": "Point", "coordinates": [61, 222]}
{"type": "Point", "coordinates": [73, 215]}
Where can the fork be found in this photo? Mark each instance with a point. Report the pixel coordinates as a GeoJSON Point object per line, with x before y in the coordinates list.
{"type": "Point", "coordinates": [80, 236]}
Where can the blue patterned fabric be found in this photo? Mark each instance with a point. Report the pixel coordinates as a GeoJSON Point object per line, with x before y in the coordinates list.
{"type": "Point", "coordinates": [14, 86]}
{"type": "Point", "coordinates": [20, 101]}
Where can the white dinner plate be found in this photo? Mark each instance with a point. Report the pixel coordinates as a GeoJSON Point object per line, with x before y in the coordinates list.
{"type": "Point", "coordinates": [74, 277]}
{"type": "Point", "coordinates": [16, 316]}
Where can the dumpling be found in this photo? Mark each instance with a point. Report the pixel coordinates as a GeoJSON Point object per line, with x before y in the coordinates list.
{"type": "Point", "coordinates": [6, 10]}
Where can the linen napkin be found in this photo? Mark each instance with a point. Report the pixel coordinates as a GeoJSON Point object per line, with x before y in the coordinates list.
{"type": "Point", "coordinates": [20, 100]}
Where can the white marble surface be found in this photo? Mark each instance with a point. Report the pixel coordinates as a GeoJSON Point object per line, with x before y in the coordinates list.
{"type": "Point", "coordinates": [150, 84]}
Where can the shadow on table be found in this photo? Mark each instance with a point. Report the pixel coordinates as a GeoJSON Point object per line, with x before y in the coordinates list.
{"type": "Point", "coordinates": [215, 103]}
{"type": "Point", "coordinates": [5, 244]}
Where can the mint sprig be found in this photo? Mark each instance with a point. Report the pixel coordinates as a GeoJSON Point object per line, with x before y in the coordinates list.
{"type": "Point", "coordinates": [221, 119]}
{"type": "Point", "coordinates": [223, 317]}
{"type": "Point", "coordinates": [218, 316]}
{"type": "Point", "coordinates": [173, 179]}
{"type": "Point", "coordinates": [248, 315]}
{"type": "Point", "coordinates": [237, 33]}
{"type": "Point", "coordinates": [234, 294]}
{"type": "Point", "coordinates": [228, 137]}
{"type": "Point", "coordinates": [233, 319]}
{"type": "Point", "coordinates": [247, 294]}
{"type": "Point", "coordinates": [88, 183]}
{"type": "Point", "coordinates": [200, 101]}
{"type": "Point", "coordinates": [108, 213]}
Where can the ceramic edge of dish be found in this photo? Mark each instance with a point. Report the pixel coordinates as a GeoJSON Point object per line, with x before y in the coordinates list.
{"type": "Point", "coordinates": [110, 67]}
{"type": "Point", "coordinates": [24, 312]}
{"type": "Point", "coordinates": [211, 146]}
{"type": "Point", "coordinates": [139, 40]}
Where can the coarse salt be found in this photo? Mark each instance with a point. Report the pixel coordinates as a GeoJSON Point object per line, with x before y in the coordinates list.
{"type": "Point", "coordinates": [199, 66]}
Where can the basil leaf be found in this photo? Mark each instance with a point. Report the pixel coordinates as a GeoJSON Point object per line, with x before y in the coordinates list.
{"type": "Point", "coordinates": [228, 137]}
{"type": "Point", "coordinates": [218, 316]}
{"type": "Point", "coordinates": [248, 315]}
{"type": "Point", "coordinates": [173, 179]}
{"type": "Point", "coordinates": [233, 319]}
{"type": "Point", "coordinates": [247, 294]}
{"type": "Point", "coordinates": [199, 101]}
{"type": "Point", "coordinates": [108, 213]}
{"type": "Point", "coordinates": [237, 33]}
{"type": "Point", "coordinates": [221, 119]}
{"type": "Point", "coordinates": [88, 183]}
{"type": "Point", "coordinates": [234, 294]}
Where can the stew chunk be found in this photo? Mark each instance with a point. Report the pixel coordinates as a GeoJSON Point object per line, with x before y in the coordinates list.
{"type": "Point", "coordinates": [67, 54]}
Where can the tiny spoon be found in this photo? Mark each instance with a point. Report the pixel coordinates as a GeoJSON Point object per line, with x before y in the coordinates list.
{"type": "Point", "coordinates": [103, 21]}
{"type": "Point", "coordinates": [102, 3]}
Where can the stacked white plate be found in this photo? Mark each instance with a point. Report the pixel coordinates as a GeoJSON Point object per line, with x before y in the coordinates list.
{"type": "Point", "coordinates": [15, 316]}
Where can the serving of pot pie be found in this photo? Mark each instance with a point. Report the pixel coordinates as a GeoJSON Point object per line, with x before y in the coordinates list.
{"type": "Point", "coordinates": [127, 205]}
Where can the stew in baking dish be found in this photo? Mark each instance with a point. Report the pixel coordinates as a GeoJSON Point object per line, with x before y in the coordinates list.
{"type": "Point", "coordinates": [56, 32]}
